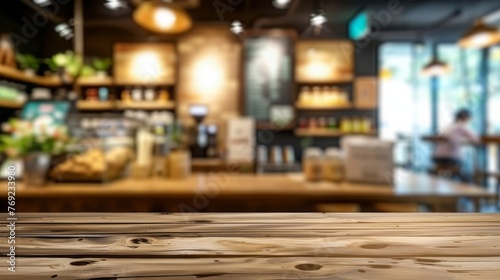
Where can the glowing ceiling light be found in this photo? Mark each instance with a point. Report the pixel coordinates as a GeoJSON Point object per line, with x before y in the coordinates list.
{"type": "Point", "coordinates": [162, 17]}
{"type": "Point", "coordinates": [42, 3]}
{"type": "Point", "coordinates": [115, 4]}
{"type": "Point", "coordinates": [435, 68]}
{"type": "Point", "coordinates": [479, 36]}
{"type": "Point", "coordinates": [237, 27]}
{"type": "Point", "coordinates": [281, 4]}
{"type": "Point", "coordinates": [318, 19]}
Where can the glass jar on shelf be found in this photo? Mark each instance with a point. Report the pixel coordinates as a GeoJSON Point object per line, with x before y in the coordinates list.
{"type": "Point", "coordinates": [316, 95]}
{"type": "Point", "coordinates": [333, 165]}
{"type": "Point", "coordinates": [305, 96]}
{"type": "Point", "coordinates": [357, 125]}
{"type": "Point", "coordinates": [312, 164]}
{"type": "Point", "coordinates": [367, 125]}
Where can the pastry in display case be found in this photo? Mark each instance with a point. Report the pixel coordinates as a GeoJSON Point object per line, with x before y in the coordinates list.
{"type": "Point", "coordinates": [103, 153]}
{"type": "Point", "coordinates": [94, 165]}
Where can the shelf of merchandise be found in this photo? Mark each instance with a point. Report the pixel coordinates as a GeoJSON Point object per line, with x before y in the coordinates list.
{"type": "Point", "coordinates": [146, 105]}
{"type": "Point", "coordinates": [105, 81]}
{"type": "Point", "coordinates": [11, 104]}
{"type": "Point", "coordinates": [84, 105]}
{"type": "Point", "coordinates": [300, 106]}
{"type": "Point", "coordinates": [20, 76]}
{"type": "Point", "coordinates": [325, 132]}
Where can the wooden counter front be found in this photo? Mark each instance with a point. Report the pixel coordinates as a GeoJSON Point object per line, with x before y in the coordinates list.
{"type": "Point", "coordinates": [254, 246]}
{"type": "Point", "coordinates": [227, 192]}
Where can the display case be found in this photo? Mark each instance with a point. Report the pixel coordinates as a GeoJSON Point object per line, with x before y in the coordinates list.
{"type": "Point", "coordinates": [103, 151]}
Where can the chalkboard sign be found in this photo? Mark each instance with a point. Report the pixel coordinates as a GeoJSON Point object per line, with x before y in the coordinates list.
{"type": "Point", "coordinates": [268, 74]}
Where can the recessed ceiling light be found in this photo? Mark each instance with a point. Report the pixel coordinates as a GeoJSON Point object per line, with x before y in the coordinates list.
{"type": "Point", "coordinates": [64, 31]}
{"type": "Point", "coordinates": [281, 4]}
{"type": "Point", "coordinates": [42, 3]}
{"type": "Point", "coordinates": [318, 19]}
{"type": "Point", "coordinates": [236, 27]}
{"type": "Point", "coordinates": [114, 4]}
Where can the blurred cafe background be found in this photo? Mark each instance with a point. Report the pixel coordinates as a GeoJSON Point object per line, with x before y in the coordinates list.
{"type": "Point", "coordinates": [250, 106]}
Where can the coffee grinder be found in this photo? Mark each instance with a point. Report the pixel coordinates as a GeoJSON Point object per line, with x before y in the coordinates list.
{"type": "Point", "coordinates": [202, 140]}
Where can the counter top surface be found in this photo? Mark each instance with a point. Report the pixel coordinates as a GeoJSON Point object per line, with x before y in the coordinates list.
{"type": "Point", "coordinates": [405, 184]}
{"type": "Point", "coordinates": [254, 246]}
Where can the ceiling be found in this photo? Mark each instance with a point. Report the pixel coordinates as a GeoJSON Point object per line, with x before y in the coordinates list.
{"type": "Point", "coordinates": [419, 19]}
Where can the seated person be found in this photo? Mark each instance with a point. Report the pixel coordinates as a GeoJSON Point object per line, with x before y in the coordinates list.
{"type": "Point", "coordinates": [447, 153]}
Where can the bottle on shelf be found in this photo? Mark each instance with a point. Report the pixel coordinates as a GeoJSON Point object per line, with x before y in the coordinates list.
{"type": "Point", "coordinates": [322, 122]}
{"type": "Point", "coordinates": [367, 125]}
{"type": "Point", "coordinates": [332, 123]}
{"type": "Point", "coordinates": [313, 123]}
{"type": "Point", "coordinates": [303, 122]}
{"type": "Point", "coordinates": [163, 95]}
{"type": "Point", "coordinates": [346, 125]}
{"type": "Point", "coordinates": [137, 94]}
{"type": "Point", "coordinates": [305, 96]}
{"type": "Point", "coordinates": [316, 95]}
{"type": "Point", "coordinates": [126, 95]}
{"type": "Point", "coordinates": [356, 125]}
{"type": "Point", "coordinates": [149, 94]}
{"type": "Point", "coordinates": [343, 98]}
{"type": "Point", "coordinates": [91, 94]}
{"type": "Point", "coordinates": [103, 94]}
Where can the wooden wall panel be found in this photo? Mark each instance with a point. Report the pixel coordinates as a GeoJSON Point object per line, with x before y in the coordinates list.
{"type": "Point", "coordinates": [210, 62]}
{"type": "Point", "coordinates": [144, 63]}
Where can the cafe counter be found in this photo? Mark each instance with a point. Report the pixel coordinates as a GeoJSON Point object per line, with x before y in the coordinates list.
{"type": "Point", "coordinates": [222, 191]}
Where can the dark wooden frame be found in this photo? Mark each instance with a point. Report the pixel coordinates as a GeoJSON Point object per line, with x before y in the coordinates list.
{"type": "Point", "coordinates": [276, 33]}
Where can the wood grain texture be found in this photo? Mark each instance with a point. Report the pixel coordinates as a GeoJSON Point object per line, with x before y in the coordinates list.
{"type": "Point", "coordinates": [254, 246]}
{"type": "Point", "coordinates": [225, 191]}
{"type": "Point", "coordinates": [270, 186]}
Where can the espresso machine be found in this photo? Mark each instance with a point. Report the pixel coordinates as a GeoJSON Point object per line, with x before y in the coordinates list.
{"type": "Point", "coordinates": [203, 138]}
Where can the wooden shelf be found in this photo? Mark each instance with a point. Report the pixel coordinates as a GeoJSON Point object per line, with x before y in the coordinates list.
{"type": "Point", "coordinates": [208, 162]}
{"type": "Point", "coordinates": [95, 81]}
{"type": "Point", "coordinates": [300, 106]}
{"type": "Point", "coordinates": [144, 84]}
{"type": "Point", "coordinates": [85, 105]}
{"type": "Point", "coordinates": [18, 75]}
{"type": "Point", "coordinates": [491, 139]}
{"type": "Point", "coordinates": [325, 132]}
{"type": "Point", "coordinates": [325, 83]}
{"type": "Point", "coordinates": [274, 127]}
{"type": "Point", "coordinates": [146, 105]}
{"type": "Point", "coordinates": [11, 104]}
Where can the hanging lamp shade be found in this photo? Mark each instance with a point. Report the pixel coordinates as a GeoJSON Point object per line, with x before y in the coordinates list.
{"type": "Point", "coordinates": [480, 36]}
{"type": "Point", "coordinates": [435, 68]}
{"type": "Point", "coordinates": [161, 17]}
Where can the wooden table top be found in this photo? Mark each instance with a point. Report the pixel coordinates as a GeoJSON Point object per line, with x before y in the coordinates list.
{"type": "Point", "coordinates": [254, 246]}
{"type": "Point", "coordinates": [485, 139]}
{"type": "Point", "coordinates": [491, 139]}
{"type": "Point", "coordinates": [266, 186]}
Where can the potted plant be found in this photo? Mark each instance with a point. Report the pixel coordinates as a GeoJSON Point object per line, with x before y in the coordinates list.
{"type": "Point", "coordinates": [28, 63]}
{"type": "Point", "coordinates": [35, 143]}
{"type": "Point", "coordinates": [69, 66]}
{"type": "Point", "coordinates": [101, 65]}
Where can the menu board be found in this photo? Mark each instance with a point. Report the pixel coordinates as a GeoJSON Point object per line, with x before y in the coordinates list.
{"type": "Point", "coordinates": [50, 111]}
{"type": "Point", "coordinates": [241, 140]}
{"type": "Point", "coordinates": [268, 75]}
{"type": "Point", "coordinates": [324, 61]}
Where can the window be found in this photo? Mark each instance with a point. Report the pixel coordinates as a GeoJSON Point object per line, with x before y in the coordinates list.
{"type": "Point", "coordinates": [405, 103]}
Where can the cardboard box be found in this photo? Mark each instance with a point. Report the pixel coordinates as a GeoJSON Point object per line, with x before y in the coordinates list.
{"type": "Point", "coordinates": [368, 160]}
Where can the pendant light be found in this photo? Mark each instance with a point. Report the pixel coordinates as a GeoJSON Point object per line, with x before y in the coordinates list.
{"type": "Point", "coordinates": [479, 36]}
{"type": "Point", "coordinates": [162, 17]}
{"type": "Point", "coordinates": [435, 68]}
